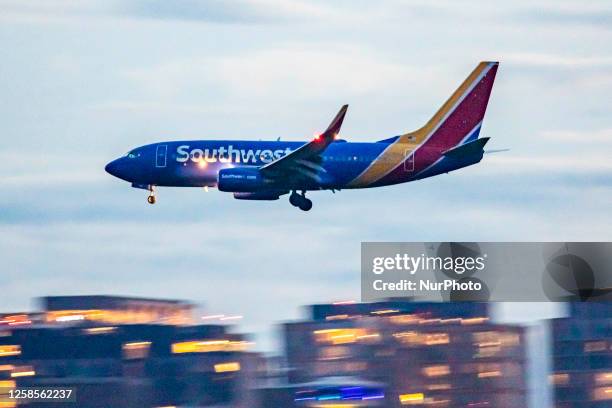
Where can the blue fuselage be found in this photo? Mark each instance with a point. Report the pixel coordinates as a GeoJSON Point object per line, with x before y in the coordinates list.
{"type": "Point", "coordinates": [196, 163]}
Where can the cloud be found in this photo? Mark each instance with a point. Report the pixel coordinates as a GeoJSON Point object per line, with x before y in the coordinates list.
{"type": "Point", "coordinates": [56, 11]}
{"type": "Point", "coordinates": [204, 11]}
{"type": "Point", "coordinates": [219, 11]}
{"type": "Point", "coordinates": [48, 169]}
{"type": "Point", "coordinates": [589, 163]}
{"type": "Point", "coordinates": [295, 68]}
{"type": "Point", "coordinates": [597, 137]}
{"type": "Point", "coordinates": [560, 61]}
{"type": "Point", "coordinates": [595, 15]}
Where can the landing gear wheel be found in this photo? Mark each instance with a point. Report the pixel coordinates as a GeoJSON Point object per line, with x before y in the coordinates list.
{"type": "Point", "coordinates": [294, 199]}
{"type": "Point", "coordinates": [151, 199]}
{"type": "Point", "coordinates": [305, 205]}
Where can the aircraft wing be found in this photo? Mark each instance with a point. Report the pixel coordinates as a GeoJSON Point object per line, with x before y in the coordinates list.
{"type": "Point", "coordinates": [305, 160]}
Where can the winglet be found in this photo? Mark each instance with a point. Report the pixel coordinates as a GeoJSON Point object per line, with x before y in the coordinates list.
{"type": "Point", "coordinates": [334, 127]}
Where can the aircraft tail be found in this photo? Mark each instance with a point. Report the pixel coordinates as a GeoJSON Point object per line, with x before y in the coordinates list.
{"type": "Point", "coordinates": [459, 119]}
{"type": "Point", "coordinates": [457, 122]}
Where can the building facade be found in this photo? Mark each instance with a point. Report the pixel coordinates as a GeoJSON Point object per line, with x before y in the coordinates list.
{"type": "Point", "coordinates": [582, 356]}
{"type": "Point", "coordinates": [427, 354]}
{"type": "Point", "coordinates": [90, 344]}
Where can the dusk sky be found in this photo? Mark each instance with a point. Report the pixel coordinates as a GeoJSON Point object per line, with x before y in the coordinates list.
{"type": "Point", "coordinates": [84, 82]}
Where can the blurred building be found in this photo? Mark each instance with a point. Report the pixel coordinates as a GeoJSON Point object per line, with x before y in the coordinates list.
{"type": "Point", "coordinates": [127, 352]}
{"type": "Point", "coordinates": [582, 356]}
{"type": "Point", "coordinates": [117, 310]}
{"type": "Point", "coordinates": [426, 354]}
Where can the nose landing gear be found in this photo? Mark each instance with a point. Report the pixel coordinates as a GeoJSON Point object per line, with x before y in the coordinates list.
{"type": "Point", "coordinates": [151, 197]}
{"type": "Point", "coordinates": [300, 201]}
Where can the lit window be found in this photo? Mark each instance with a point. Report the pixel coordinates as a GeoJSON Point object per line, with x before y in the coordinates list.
{"type": "Point", "coordinates": [208, 346]}
{"type": "Point", "coordinates": [345, 336]}
{"type": "Point", "coordinates": [136, 350]}
{"type": "Point", "coordinates": [595, 346]}
{"type": "Point", "coordinates": [426, 339]}
{"type": "Point", "coordinates": [227, 367]}
{"type": "Point", "coordinates": [558, 379]}
{"type": "Point", "coordinates": [436, 371]}
{"type": "Point", "coordinates": [412, 399]}
{"type": "Point", "coordinates": [602, 394]}
{"type": "Point", "coordinates": [100, 330]}
{"type": "Point", "coordinates": [603, 378]}
{"type": "Point", "coordinates": [490, 374]}
{"type": "Point", "coordinates": [439, 387]}
{"type": "Point", "coordinates": [23, 371]}
{"type": "Point", "coordinates": [334, 353]}
{"type": "Point", "coordinates": [433, 339]}
{"type": "Point", "coordinates": [10, 350]}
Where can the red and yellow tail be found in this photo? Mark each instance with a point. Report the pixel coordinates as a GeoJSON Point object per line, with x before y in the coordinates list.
{"type": "Point", "coordinates": [458, 120]}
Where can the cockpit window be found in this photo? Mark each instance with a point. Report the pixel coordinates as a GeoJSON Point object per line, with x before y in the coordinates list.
{"type": "Point", "coordinates": [132, 155]}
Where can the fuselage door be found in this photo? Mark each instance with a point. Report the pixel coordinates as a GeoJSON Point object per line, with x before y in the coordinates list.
{"type": "Point", "coordinates": [160, 155]}
{"type": "Point", "coordinates": [409, 161]}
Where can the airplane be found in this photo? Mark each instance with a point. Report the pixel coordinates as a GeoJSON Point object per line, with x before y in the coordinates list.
{"type": "Point", "coordinates": [267, 170]}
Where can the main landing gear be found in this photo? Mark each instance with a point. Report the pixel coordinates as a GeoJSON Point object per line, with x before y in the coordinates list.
{"type": "Point", "coordinates": [300, 201]}
{"type": "Point", "coordinates": [151, 197]}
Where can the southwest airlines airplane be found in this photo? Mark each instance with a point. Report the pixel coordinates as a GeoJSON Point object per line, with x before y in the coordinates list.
{"type": "Point", "coordinates": [266, 170]}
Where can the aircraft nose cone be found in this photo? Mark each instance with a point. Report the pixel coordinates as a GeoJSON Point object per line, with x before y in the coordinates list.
{"type": "Point", "coordinates": [111, 168]}
{"type": "Point", "coordinates": [118, 169]}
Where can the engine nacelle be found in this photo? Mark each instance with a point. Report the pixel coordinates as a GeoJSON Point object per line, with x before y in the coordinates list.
{"type": "Point", "coordinates": [241, 180]}
{"type": "Point", "coordinates": [261, 195]}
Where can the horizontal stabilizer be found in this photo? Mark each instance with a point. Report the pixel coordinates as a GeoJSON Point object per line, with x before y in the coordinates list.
{"type": "Point", "coordinates": [473, 148]}
{"type": "Point", "coordinates": [497, 151]}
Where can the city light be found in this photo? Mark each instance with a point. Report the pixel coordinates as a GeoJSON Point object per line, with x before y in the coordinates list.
{"type": "Point", "coordinates": [5, 387]}
{"type": "Point", "coordinates": [16, 320]}
{"type": "Point", "coordinates": [558, 379]}
{"type": "Point", "coordinates": [100, 330]}
{"type": "Point", "coordinates": [136, 350]}
{"type": "Point", "coordinates": [436, 371]}
{"type": "Point", "coordinates": [384, 311]}
{"type": "Point", "coordinates": [209, 346]}
{"type": "Point", "coordinates": [227, 367]}
{"type": "Point", "coordinates": [490, 374]}
{"type": "Point", "coordinates": [26, 371]}
{"type": "Point", "coordinates": [344, 336]}
{"type": "Point", "coordinates": [154, 313]}
{"type": "Point", "coordinates": [412, 399]}
{"type": "Point", "coordinates": [603, 378]}
{"type": "Point", "coordinates": [9, 350]}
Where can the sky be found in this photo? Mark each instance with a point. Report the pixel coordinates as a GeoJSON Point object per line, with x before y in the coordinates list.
{"type": "Point", "coordinates": [84, 82]}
